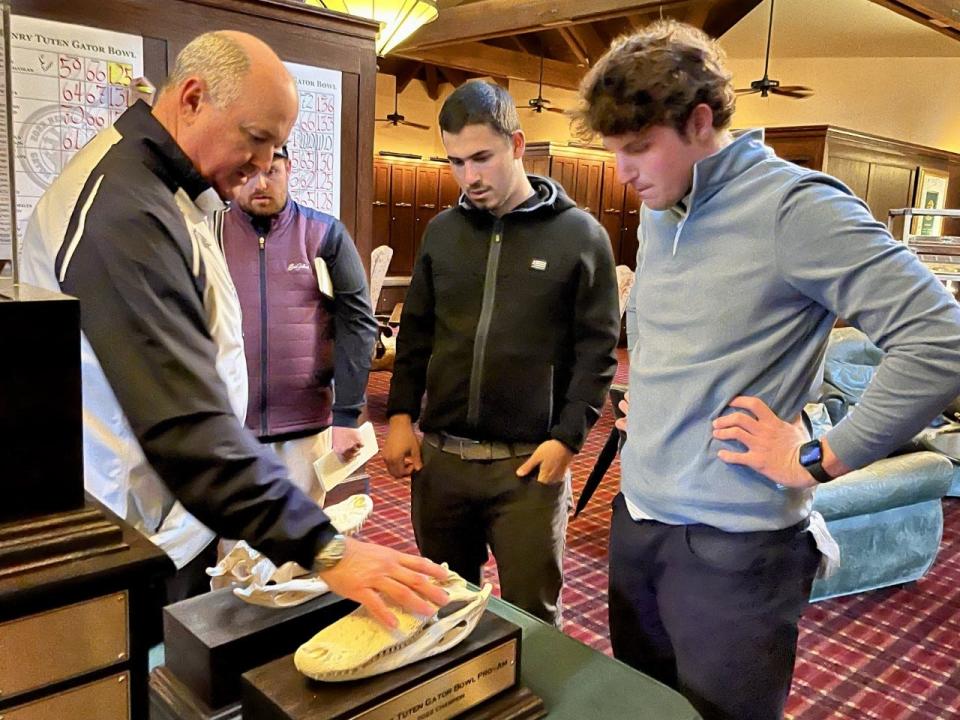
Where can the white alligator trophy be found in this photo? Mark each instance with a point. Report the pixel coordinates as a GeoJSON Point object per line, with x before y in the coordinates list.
{"type": "Point", "coordinates": [255, 579]}
{"type": "Point", "coordinates": [359, 646]}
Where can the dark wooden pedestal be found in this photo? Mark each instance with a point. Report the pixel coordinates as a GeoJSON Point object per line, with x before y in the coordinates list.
{"type": "Point", "coordinates": [75, 599]}
{"type": "Point", "coordinates": [212, 639]}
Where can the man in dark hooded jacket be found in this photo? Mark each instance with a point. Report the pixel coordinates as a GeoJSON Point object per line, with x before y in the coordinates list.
{"type": "Point", "coordinates": [509, 325]}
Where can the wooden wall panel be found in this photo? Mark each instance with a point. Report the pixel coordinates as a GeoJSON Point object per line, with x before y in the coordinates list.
{"type": "Point", "coordinates": [855, 174]}
{"type": "Point", "coordinates": [428, 201]}
{"type": "Point", "coordinates": [381, 204]}
{"type": "Point", "coordinates": [449, 189]}
{"type": "Point", "coordinates": [402, 218]}
{"type": "Point", "coordinates": [611, 209]}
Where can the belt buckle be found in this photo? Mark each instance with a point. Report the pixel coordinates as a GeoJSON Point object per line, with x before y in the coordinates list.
{"type": "Point", "coordinates": [466, 443]}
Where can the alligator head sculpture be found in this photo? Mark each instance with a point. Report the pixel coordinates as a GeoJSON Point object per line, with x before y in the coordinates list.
{"type": "Point", "coordinates": [359, 646]}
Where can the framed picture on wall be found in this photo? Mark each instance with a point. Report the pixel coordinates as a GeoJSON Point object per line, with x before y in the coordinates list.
{"type": "Point", "coordinates": [931, 195]}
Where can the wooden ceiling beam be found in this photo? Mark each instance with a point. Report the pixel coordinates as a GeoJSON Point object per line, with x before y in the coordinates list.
{"type": "Point", "coordinates": [407, 73]}
{"type": "Point", "coordinates": [497, 62]}
{"type": "Point", "coordinates": [515, 41]}
{"type": "Point", "coordinates": [724, 14]}
{"type": "Point", "coordinates": [530, 43]}
{"type": "Point", "coordinates": [493, 18]}
{"type": "Point", "coordinates": [579, 52]}
{"type": "Point", "coordinates": [552, 44]}
{"type": "Point", "coordinates": [940, 15]}
{"type": "Point", "coordinates": [589, 40]}
{"type": "Point", "coordinates": [454, 77]}
{"type": "Point", "coordinates": [432, 82]}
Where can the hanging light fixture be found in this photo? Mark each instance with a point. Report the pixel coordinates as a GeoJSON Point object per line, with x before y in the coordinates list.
{"type": "Point", "coordinates": [398, 18]}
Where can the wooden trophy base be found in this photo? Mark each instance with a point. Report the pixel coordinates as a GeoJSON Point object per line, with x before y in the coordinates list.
{"type": "Point", "coordinates": [39, 542]}
{"type": "Point", "coordinates": [478, 679]}
{"type": "Point", "coordinates": [211, 639]}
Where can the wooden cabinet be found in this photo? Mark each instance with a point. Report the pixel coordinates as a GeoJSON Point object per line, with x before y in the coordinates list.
{"type": "Point", "coordinates": [407, 195]}
{"type": "Point", "coordinates": [428, 200]}
{"type": "Point", "coordinates": [403, 183]}
{"type": "Point", "coordinates": [449, 189]}
{"type": "Point", "coordinates": [611, 209]}
{"type": "Point", "coordinates": [381, 203]}
{"type": "Point", "coordinates": [881, 171]}
{"type": "Point", "coordinates": [631, 222]}
{"type": "Point", "coordinates": [588, 175]}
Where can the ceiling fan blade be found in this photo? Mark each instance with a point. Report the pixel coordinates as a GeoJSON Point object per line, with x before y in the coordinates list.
{"type": "Point", "coordinates": [416, 125]}
{"type": "Point", "coordinates": [556, 110]}
{"type": "Point", "coordinates": [796, 88]}
{"type": "Point", "coordinates": [746, 91]}
{"type": "Point", "coordinates": [798, 93]}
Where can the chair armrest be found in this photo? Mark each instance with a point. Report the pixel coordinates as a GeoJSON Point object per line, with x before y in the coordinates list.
{"type": "Point", "coordinates": [885, 484]}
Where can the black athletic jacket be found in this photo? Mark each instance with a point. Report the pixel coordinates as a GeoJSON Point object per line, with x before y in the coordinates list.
{"type": "Point", "coordinates": [510, 323]}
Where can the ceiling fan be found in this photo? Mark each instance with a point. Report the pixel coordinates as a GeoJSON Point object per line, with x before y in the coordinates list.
{"type": "Point", "coordinates": [765, 85]}
{"type": "Point", "coordinates": [395, 118]}
{"type": "Point", "coordinates": [540, 103]}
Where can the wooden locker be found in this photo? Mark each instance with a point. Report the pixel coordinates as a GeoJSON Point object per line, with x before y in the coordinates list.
{"type": "Point", "coordinates": [611, 208]}
{"type": "Point", "coordinates": [631, 221]}
{"type": "Point", "coordinates": [564, 171]}
{"type": "Point", "coordinates": [427, 194]}
{"type": "Point", "coordinates": [381, 203]}
{"type": "Point", "coordinates": [449, 189]}
{"type": "Point", "coordinates": [537, 166]}
{"type": "Point", "coordinates": [402, 217]}
{"type": "Point", "coordinates": [589, 178]}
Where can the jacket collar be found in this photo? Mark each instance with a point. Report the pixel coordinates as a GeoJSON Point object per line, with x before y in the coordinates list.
{"type": "Point", "coordinates": [274, 223]}
{"type": "Point", "coordinates": [713, 172]}
{"type": "Point", "coordinates": [172, 165]}
{"type": "Point", "coordinates": [547, 196]}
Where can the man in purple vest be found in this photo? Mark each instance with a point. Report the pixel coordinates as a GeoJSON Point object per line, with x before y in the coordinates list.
{"type": "Point", "coordinates": [301, 381]}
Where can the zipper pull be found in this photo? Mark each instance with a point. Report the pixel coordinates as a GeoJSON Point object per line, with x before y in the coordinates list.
{"type": "Point", "coordinates": [262, 242]}
{"type": "Point", "coordinates": [496, 238]}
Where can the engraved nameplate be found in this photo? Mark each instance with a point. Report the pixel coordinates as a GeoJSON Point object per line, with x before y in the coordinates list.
{"type": "Point", "coordinates": [63, 643]}
{"type": "Point", "coordinates": [106, 699]}
{"type": "Point", "coordinates": [451, 693]}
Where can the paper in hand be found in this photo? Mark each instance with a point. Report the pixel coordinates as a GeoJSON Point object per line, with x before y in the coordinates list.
{"type": "Point", "coordinates": [331, 470]}
{"type": "Point", "coordinates": [324, 282]}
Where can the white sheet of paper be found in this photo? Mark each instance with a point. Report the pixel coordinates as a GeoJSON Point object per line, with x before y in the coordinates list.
{"type": "Point", "coordinates": [331, 470]}
{"type": "Point", "coordinates": [324, 282]}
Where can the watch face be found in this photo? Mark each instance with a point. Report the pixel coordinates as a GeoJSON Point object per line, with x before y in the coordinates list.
{"type": "Point", "coordinates": [810, 453]}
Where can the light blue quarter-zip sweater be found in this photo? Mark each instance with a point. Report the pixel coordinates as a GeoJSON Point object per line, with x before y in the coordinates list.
{"type": "Point", "coordinates": [736, 295]}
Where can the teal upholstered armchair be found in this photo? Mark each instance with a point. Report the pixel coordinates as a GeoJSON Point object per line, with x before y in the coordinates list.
{"type": "Point", "coordinates": [886, 517]}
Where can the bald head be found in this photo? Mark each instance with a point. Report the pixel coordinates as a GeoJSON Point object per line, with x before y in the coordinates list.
{"type": "Point", "coordinates": [228, 103]}
{"type": "Point", "coordinates": [224, 59]}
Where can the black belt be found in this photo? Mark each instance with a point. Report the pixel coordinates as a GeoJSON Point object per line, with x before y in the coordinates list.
{"type": "Point", "coordinates": [469, 449]}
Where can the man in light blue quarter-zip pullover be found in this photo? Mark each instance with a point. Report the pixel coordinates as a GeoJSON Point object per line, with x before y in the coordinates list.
{"type": "Point", "coordinates": [745, 262]}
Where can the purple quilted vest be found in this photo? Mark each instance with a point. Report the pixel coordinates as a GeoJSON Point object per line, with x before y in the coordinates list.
{"type": "Point", "coordinates": [287, 329]}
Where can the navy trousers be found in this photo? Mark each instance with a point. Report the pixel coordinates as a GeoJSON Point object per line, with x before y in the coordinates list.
{"type": "Point", "coordinates": [710, 613]}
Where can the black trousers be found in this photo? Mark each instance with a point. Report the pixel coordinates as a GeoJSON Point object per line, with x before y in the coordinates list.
{"type": "Point", "coordinates": [459, 507]}
{"type": "Point", "coordinates": [710, 613]}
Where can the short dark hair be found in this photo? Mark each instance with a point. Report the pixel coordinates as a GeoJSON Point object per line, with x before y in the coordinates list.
{"type": "Point", "coordinates": [478, 102]}
{"type": "Point", "coordinates": [656, 76]}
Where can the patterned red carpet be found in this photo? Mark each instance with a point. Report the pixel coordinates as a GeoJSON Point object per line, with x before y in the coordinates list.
{"type": "Point", "coordinates": [890, 654]}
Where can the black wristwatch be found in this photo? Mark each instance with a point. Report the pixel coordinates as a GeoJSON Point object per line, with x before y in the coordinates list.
{"type": "Point", "coordinates": [811, 457]}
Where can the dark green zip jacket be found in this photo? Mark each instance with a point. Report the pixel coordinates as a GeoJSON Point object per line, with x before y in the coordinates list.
{"type": "Point", "coordinates": [510, 323]}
